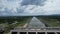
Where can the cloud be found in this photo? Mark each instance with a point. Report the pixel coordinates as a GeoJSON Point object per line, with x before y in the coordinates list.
{"type": "Point", "coordinates": [42, 7]}
{"type": "Point", "coordinates": [50, 7]}
{"type": "Point", "coordinates": [33, 2]}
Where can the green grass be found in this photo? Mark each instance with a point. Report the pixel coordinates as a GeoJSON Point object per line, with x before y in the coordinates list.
{"type": "Point", "coordinates": [19, 24]}
{"type": "Point", "coordinates": [51, 22]}
{"type": "Point", "coordinates": [5, 33]}
{"type": "Point", "coordinates": [23, 22]}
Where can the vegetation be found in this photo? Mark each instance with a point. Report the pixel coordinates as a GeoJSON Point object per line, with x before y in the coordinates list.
{"type": "Point", "coordinates": [50, 21]}
{"type": "Point", "coordinates": [10, 23]}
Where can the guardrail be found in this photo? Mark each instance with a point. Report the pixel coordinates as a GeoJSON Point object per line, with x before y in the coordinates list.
{"type": "Point", "coordinates": [46, 28]}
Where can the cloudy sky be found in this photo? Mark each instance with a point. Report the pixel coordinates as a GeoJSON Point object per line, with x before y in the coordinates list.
{"type": "Point", "coordinates": [29, 7]}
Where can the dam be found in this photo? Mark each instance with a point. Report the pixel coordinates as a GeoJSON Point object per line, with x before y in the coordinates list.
{"type": "Point", "coordinates": [36, 31]}
{"type": "Point", "coordinates": [36, 27]}
{"type": "Point", "coordinates": [42, 23]}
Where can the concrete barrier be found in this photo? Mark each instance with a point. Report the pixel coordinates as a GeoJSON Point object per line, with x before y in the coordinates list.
{"type": "Point", "coordinates": [35, 31]}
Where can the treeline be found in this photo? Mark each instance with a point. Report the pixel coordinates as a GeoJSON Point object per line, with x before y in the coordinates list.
{"type": "Point", "coordinates": [50, 17]}
{"type": "Point", "coordinates": [11, 20]}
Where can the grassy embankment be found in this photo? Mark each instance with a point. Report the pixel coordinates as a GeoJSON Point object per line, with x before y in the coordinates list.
{"type": "Point", "coordinates": [51, 22]}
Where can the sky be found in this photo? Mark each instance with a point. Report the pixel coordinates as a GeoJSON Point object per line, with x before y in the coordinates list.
{"type": "Point", "coordinates": [29, 7]}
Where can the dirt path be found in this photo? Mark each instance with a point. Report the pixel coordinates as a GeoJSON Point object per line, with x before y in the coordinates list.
{"type": "Point", "coordinates": [25, 26]}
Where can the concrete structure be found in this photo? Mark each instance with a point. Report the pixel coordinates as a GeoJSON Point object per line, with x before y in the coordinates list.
{"type": "Point", "coordinates": [31, 30]}
{"type": "Point", "coordinates": [48, 30]}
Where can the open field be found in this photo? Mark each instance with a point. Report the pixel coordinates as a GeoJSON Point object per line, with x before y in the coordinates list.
{"type": "Point", "coordinates": [50, 21]}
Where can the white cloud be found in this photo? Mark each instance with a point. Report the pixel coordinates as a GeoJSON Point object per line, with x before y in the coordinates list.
{"type": "Point", "coordinates": [10, 4]}
{"type": "Point", "coordinates": [49, 7]}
